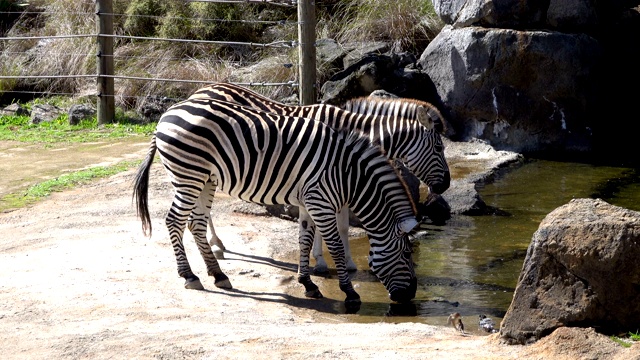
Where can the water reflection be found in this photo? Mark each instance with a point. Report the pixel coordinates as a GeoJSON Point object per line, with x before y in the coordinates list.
{"type": "Point", "coordinates": [471, 265]}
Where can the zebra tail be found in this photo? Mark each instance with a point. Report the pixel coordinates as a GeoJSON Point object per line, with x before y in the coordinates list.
{"type": "Point", "coordinates": [141, 189]}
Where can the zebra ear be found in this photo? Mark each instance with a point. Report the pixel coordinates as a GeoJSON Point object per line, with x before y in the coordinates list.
{"type": "Point", "coordinates": [408, 225]}
{"type": "Point", "coordinates": [425, 118]}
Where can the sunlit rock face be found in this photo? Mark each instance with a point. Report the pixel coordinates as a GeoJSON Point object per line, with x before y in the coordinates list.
{"type": "Point", "coordinates": [524, 91]}
{"type": "Point", "coordinates": [581, 270]}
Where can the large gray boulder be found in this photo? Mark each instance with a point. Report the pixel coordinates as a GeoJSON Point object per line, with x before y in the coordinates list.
{"type": "Point", "coordinates": [564, 15]}
{"type": "Point", "coordinates": [520, 91]}
{"type": "Point", "coordinates": [581, 270]}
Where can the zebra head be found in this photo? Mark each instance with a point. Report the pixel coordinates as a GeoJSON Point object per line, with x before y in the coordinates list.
{"type": "Point", "coordinates": [393, 263]}
{"type": "Point", "coordinates": [426, 157]}
{"type": "Point", "coordinates": [379, 197]}
{"type": "Point", "coordinates": [411, 133]}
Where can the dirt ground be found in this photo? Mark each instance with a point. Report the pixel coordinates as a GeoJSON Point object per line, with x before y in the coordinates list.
{"type": "Point", "coordinates": [78, 280]}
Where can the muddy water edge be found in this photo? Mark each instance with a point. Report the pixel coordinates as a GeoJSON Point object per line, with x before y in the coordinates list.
{"type": "Point", "coordinates": [471, 264]}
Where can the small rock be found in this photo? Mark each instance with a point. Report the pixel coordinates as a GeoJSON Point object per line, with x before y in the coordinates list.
{"type": "Point", "coordinates": [80, 112]}
{"type": "Point", "coordinates": [44, 113]}
{"type": "Point", "coordinates": [15, 109]}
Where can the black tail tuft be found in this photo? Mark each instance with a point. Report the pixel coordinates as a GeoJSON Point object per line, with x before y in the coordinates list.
{"type": "Point", "coordinates": [141, 189]}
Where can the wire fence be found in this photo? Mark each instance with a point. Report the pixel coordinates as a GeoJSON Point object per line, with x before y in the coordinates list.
{"type": "Point", "coordinates": [105, 37]}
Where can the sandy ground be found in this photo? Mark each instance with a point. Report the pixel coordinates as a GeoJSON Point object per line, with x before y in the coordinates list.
{"type": "Point", "coordinates": [78, 280]}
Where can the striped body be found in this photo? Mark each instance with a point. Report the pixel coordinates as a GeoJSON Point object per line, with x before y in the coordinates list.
{"type": "Point", "coordinates": [267, 158]}
{"type": "Point", "coordinates": [407, 130]}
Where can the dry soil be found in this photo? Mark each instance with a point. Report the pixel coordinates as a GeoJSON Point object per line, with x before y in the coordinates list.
{"type": "Point", "coordinates": [78, 280]}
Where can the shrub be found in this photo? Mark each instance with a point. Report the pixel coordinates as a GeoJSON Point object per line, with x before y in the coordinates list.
{"type": "Point", "coordinates": [408, 24]}
{"type": "Point", "coordinates": [143, 17]}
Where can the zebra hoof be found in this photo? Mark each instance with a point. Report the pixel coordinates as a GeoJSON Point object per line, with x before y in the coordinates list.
{"type": "Point", "coordinates": [224, 284]}
{"type": "Point", "coordinates": [193, 284]}
{"type": "Point", "coordinates": [222, 281]}
{"type": "Point", "coordinates": [352, 298]}
{"type": "Point", "coordinates": [352, 307]}
{"type": "Point", "coordinates": [314, 294]}
{"type": "Point", "coordinates": [352, 301]}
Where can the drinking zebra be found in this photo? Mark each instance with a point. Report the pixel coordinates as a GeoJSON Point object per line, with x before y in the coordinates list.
{"type": "Point", "coordinates": [268, 158]}
{"type": "Point", "coordinates": [407, 130]}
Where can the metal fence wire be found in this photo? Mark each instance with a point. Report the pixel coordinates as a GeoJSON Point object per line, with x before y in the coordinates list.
{"type": "Point", "coordinates": [105, 37]}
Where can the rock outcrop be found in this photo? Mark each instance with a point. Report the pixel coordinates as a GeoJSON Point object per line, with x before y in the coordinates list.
{"type": "Point", "coordinates": [530, 76]}
{"type": "Point", "coordinates": [520, 90]}
{"type": "Point", "coordinates": [581, 270]}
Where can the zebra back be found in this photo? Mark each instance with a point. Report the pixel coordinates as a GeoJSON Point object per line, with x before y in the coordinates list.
{"type": "Point", "coordinates": [427, 114]}
{"type": "Point", "coordinates": [239, 95]}
{"type": "Point", "coordinates": [414, 129]}
{"type": "Point", "coordinates": [404, 128]}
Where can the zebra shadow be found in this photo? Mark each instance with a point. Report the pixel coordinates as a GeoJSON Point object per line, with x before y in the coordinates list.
{"type": "Point", "coordinates": [325, 304]}
{"type": "Point", "coordinates": [287, 266]}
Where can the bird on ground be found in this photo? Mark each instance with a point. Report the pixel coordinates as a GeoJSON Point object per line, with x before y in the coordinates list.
{"type": "Point", "coordinates": [455, 319]}
{"type": "Point", "coordinates": [487, 324]}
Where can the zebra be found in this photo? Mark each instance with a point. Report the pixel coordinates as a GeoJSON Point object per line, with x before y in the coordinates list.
{"type": "Point", "coordinates": [269, 158]}
{"type": "Point", "coordinates": [407, 129]}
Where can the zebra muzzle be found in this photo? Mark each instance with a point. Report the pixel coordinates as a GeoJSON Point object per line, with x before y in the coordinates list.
{"type": "Point", "coordinates": [405, 295]}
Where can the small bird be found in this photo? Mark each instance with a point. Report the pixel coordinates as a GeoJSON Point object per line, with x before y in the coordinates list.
{"type": "Point", "coordinates": [487, 324]}
{"type": "Point", "coordinates": [455, 319]}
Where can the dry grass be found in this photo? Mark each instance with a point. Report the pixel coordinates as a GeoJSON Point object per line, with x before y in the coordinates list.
{"type": "Point", "coordinates": [162, 62]}
{"type": "Point", "coordinates": [55, 56]}
{"type": "Point", "coordinates": [407, 24]}
{"type": "Point", "coordinates": [402, 23]}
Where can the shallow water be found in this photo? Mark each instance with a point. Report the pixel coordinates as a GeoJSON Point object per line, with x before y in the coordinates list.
{"type": "Point", "coordinates": [471, 265]}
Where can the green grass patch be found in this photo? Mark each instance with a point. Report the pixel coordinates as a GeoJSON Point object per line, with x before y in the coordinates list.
{"type": "Point", "coordinates": [42, 190]}
{"type": "Point", "coordinates": [626, 341]}
{"type": "Point", "coordinates": [18, 128]}
{"type": "Point", "coordinates": [622, 342]}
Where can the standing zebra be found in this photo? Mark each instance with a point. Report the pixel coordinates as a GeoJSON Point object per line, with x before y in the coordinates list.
{"type": "Point", "coordinates": [268, 158]}
{"type": "Point", "coordinates": [407, 130]}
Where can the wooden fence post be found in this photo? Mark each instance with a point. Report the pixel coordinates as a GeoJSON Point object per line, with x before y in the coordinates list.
{"type": "Point", "coordinates": [105, 88]}
{"type": "Point", "coordinates": [307, 51]}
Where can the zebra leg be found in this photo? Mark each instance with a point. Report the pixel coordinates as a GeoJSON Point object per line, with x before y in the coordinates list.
{"type": "Point", "coordinates": [198, 227]}
{"type": "Point", "coordinates": [214, 241]}
{"type": "Point", "coordinates": [176, 221]}
{"type": "Point", "coordinates": [321, 265]}
{"type": "Point", "coordinates": [326, 222]}
{"type": "Point", "coordinates": [305, 239]}
{"type": "Point", "coordinates": [343, 230]}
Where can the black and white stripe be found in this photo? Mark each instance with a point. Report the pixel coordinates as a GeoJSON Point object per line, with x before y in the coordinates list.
{"type": "Point", "coordinates": [407, 130]}
{"type": "Point", "coordinates": [269, 158]}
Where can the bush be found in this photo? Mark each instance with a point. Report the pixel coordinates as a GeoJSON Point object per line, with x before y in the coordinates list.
{"type": "Point", "coordinates": [143, 17]}
{"type": "Point", "coordinates": [408, 24]}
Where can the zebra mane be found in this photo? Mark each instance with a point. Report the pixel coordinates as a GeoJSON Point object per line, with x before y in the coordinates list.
{"type": "Point", "coordinates": [400, 107]}
{"type": "Point", "coordinates": [363, 145]}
